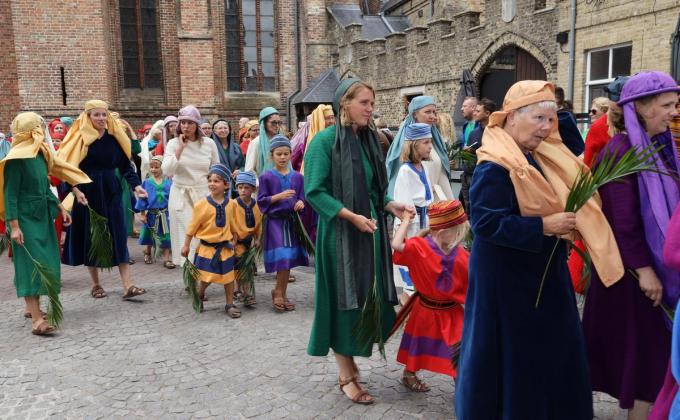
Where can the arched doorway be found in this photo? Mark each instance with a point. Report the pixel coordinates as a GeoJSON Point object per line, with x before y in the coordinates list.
{"type": "Point", "coordinates": [510, 65]}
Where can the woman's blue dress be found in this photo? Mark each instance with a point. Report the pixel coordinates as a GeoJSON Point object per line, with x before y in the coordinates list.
{"type": "Point", "coordinates": [518, 361]}
{"type": "Point", "coordinates": [104, 195]}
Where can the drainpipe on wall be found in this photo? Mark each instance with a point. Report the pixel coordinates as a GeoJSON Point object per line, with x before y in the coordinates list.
{"type": "Point", "coordinates": [298, 65]}
{"type": "Point", "coordinates": [382, 17]}
{"type": "Point", "coordinates": [572, 52]}
{"type": "Point", "coordinates": [431, 9]}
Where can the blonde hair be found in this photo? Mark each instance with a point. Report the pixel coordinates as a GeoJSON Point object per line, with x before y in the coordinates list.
{"type": "Point", "coordinates": [615, 123]}
{"type": "Point", "coordinates": [601, 103]}
{"type": "Point", "coordinates": [445, 124]}
{"type": "Point", "coordinates": [351, 93]}
{"type": "Point", "coordinates": [461, 232]}
{"type": "Point", "coordinates": [409, 154]}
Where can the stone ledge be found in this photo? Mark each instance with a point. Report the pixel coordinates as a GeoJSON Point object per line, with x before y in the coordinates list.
{"type": "Point", "coordinates": [424, 42]}
{"type": "Point", "coordinates": [546, 10]}
{"type": "Point", "coordinates": [403, 47]}
{"type": "Point", "coordinates": [185, 35]}
{"type": "Point", "coordinates": [477, 28]}
{"type": "Point", "coordinates": [447, 36]}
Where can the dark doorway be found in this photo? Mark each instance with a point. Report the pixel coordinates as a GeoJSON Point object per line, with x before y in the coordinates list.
{"type": "Point", "coordinates": [512, 64]}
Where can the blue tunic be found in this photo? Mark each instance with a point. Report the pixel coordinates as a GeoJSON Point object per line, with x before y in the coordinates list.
{"type": "Point", "coordinates": [104, 195]}
{"type": "Point", "coordinates": [518, 361]}
{"type": "Point", "coordinates": [156, 206]}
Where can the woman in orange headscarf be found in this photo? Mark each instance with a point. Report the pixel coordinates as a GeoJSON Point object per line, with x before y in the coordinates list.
{"type": "Point", "coordinates": [98, 145]}
{"type": "Point", "coordinates": [522, 358]}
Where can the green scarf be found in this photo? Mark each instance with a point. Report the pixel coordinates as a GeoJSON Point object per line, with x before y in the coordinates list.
{"type": "Point", "coordinates": [355, 250]}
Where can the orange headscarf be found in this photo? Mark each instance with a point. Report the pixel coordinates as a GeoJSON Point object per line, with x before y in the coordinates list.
{"type": "Point", "coordinates": [541, 196]}
{"type": "Point", "coordinates": [82, 134]}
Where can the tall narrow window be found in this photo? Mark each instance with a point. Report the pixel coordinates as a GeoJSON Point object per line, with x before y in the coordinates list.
{"type": "Point", "coordinates": [250, 45]}
{"type": "Point", "coordinates": [603, 65]}
{"type": "Point", "coordinates": [540, 4]}
{"type": "Point", "coordinates": [139, 40]}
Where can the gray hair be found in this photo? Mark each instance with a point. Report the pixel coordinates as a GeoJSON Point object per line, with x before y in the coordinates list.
{"type": "Point", "coordinates": [550, 105]}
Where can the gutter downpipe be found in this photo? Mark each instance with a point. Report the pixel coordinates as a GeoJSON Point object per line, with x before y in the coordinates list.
{"type": "Point", "coordinates": [572, 52]}
{"type": "Point", "coordinates": [298, 65]}
{"type": "Point", "coordinates": [382, 17]}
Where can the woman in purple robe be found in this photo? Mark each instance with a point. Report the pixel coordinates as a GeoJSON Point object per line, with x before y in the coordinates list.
{"type": "Point", "coordinates": [627, 332]}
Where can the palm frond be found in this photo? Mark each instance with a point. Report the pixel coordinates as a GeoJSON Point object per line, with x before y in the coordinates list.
{"type": "Point", "coordinates": [247, 267]}
{"type": "Point", "coordinates": [306, 241]}
{"type": "Point", "coordinates": [5, 243]}
{"type": "Point", "coordinates": [101, 242]}
{"type": "Point", "coordinates": [369, 326]}
{"type": "Point", "coordinates": [467, 157]}
{"type": "Point", "coordinates": [49, 281]}
{"type": "Point", "coordinates": [191, 276]}
{"type": "Point", "coordinates": [156, 241]}
{"type": "Point", "coordinates": [455, 354]}
{"type": "Point", "coordinates": [669, 312]}
{"type": "Point", "coordinates": [584, 281]}
{"type": "Point", "coordinates": [609, 169]}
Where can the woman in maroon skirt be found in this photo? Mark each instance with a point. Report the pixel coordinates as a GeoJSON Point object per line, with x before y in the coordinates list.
{"type": "Point", "coordinates": [627, 333]}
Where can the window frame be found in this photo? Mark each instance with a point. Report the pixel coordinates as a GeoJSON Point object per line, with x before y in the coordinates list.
{"type": "Point", "coordinates": [598, 82]}
{"type": "Point", "coordinates": [140, 56]}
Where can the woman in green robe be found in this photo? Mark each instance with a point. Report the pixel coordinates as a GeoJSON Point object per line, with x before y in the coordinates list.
{"type": "Point", "coordinates": [29, 207]}
{"type": "Point", "coordinates": [346, 183]}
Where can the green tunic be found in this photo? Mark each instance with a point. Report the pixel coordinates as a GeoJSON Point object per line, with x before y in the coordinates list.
{"type": "Point", "coordinates": [332, 328]}
{"type": "Point", "coordinates": [28, 198]}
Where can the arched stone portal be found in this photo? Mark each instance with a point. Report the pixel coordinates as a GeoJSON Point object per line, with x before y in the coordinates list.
{"type": "Point", "coordinates": [510, 65]}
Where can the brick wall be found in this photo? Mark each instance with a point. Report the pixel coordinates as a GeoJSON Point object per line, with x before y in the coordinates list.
{"type": "Point", "coordinates": [9, 85]}
{"type": "Point", "coordinates": [646, 24]}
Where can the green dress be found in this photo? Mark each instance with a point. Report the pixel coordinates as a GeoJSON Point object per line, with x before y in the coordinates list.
{"type": "Point", "coordinates": [28, 198]}
{"type": "Point", "coordinates": [332, 328]}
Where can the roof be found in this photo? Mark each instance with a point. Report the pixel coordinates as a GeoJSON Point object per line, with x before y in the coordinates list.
{"type": "Point", "coordinates": [320, 90]}
{"type": "Point", "coordinates": [372, 27]}
{"type": "Point", "coordinates": [390, 5]}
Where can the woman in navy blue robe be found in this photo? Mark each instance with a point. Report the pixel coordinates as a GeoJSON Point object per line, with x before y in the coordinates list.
{"type": "Point", "coordinates": [103, 156]}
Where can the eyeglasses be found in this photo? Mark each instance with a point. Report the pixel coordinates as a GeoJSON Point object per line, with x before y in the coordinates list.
{"type": "Point", "coordinates": [593, 111]}
{"type": "Point", "coordinates": [274, 122]}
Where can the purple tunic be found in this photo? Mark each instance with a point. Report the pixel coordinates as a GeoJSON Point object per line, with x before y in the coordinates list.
{"type": "Point", "coordinates": [628, 342]}
{"type": "Point", "coordinates": [282, 247]}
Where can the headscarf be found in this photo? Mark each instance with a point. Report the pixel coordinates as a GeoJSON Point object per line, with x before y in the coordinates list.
{"type": "Point", "coordinates": [232, 157]}
{"type": "Point", "coordinates": [221, 170]}
{"type": "Point", "coordinates": [145, 153]}
{"type": "Point", "coordinates": [5, 145]}
{"type": "Point", "coordinates": [539, 195]}
{"type": "Point", "coordinates": [446, 214]}
{"type": "Point", "coordinates": [394, 152]}
{"type": "Point", "coordinates": [417, 131]}
{"type": "Point", "coordinates": [246, 177]}
{"type": "Point", "coordinates": [82, 134]}
{"type": "Point", "coordinates": [28, 141]}
{"type": "Point", "coordinates": [264, 161]}
{"type": "Point", "coordinates": [317, 122]}
{"type": "Point", "coordinates": [169, 119]}
{"type": "Point", "coordinates": [659, 194]}
{"type": "Point", "coordinates": [67, 120]}
{"type": "Point", "coordinates": [190, 113]}
{"type": "Point", "coordinates": [299, 143]}
{"type": "Point", "coordinates": [52, 125]}
{"type": "Point", "coordinates": [356, 259]}
{"type": "Point", "coordinates": [277, 141]}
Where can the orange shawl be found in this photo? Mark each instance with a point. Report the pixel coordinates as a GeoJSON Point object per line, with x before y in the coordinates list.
{"type": "Point", "coordinates": [542, 196]}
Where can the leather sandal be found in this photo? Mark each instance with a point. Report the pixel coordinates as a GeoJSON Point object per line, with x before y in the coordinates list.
{"type": "Point", "coordinates": [97, 292]}
{"type": "Point", "coordinates": [278, 303]}
{"type": "Point", "coordinates": [43, 328]}
{"type": "Point", "coordinates": [288, 305]}
{"type": "Point", "coordinates": [133, 291]}
{"type": "Point", "coordinates": [233, 311]}
{"type": "Point", "coordinates": [361, 397]}
{"type": "Point", "coordinates": [28, 315]}
{"type": "Point", "coordinates": [412, 382]}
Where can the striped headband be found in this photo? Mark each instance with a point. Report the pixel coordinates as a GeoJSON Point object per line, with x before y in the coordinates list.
{"type": "Point", "coordinates": [446, 214]}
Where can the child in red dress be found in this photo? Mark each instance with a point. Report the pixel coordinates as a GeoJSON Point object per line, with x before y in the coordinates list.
{"type": "Point", "coordinates": [438, 266]}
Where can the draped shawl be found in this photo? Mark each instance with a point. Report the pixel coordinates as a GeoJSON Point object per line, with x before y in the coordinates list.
{"type": "Point", "coordinates": [265, 162]}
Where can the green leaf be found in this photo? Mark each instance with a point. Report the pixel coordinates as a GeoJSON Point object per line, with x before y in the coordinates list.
{"type": "Point", "coordinates": [5, 243]}
{"type": "Point", "coordinates": [306, 241]}
{"type": "Point", "coordinates": [49, 281]}
{"type": "Point", "coordinates": [191, 276]}
{"type": "Point", "coordinates": [101, 242]}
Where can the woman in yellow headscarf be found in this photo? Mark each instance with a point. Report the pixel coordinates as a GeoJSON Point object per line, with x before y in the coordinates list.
{"type": "Point", "coordinates": [98, 146]}
{"type": "Point", "coordinates": [29, 207]}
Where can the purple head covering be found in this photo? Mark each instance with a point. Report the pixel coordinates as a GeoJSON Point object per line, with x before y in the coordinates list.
{"type": "Point", "coordinates": [169, 119]}
{"type": "Point", "coordinates": [190, 113]}
{"type": "Point", "coordinates": [659, 194]}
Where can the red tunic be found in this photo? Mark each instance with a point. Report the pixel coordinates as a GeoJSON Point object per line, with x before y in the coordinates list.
{"type": "Point", "coordinates": [430, 333]}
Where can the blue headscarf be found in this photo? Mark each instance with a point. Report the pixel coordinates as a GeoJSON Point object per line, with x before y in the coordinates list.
{"type": "Point", "coordinates": [417, 131]}
{"type": "Point", "coordinates": [246, 177]}
{"type": "Point", "coordinates": [277, 141]}
{"type": "Point", "coordinates": [392, 161]}
{"type": "Point", "coordinates": [221, 170]}
{"type": "Point", "coordinates": [265, 162]}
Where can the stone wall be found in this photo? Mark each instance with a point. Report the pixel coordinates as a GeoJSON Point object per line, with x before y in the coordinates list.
{"type": "Point", "coordinates": [647, 25]}
{"type": "Point", "coordinates": [430, 59]}
{"type": "Point", "coordinates": [9, 82]}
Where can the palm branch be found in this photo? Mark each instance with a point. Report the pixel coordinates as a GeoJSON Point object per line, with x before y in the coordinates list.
{"type": "Point", "coordinates": [669, 312]}
{"type": "Point", "coordinates": [191, 276]}
{"type": "Point", "coordinates": [609, 169]}
{"type": "Point", "coordinates": [49, 281]}
{"type": "Point", "coordinates": [306, 241]}
{"type": "Point", "coordinates": [247, 267]}
{"type": "Point", "coordinates": [156, 250]}
{"type": "Point", "coordinates": [101, 242]}
{"type": "Point", "coordinates": [369, 326]}
{"type": "Point", "coordinates": [5, 243]}
{"type": "Point", "coordinates": [455, 354]}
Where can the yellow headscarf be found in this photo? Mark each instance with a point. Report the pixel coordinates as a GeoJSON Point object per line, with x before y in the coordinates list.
{"type": "Point", "coordinates": [316, 124]}
{"type": "Point", "coordinates": [541, 196]}
{"type": "Point", "coordinates": [82, 134]}
{"type": "Point", "coordinates": [28, 140]}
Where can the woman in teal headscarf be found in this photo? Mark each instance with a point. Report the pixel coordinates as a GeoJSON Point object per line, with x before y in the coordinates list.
{"type": "Point", "coordinates": [422, 109]}
{"type": "Point", "coordinates": [257, 157]}
{"type": "Point", "coordinates": [346, 183]}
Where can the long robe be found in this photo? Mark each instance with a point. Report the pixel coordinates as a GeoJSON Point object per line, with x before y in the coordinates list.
{"type": "Point", "coordinates": [282, 248]}
{"type": "Point", "coordinates": [518, 361]}
{"type": "Point", "coordinates": [156, 207]}
{"type": "Point", "coordinates": [29, 200]}
{"type": "Point", "coordinates": [105, 196]}
{"type": "Point", "coordinates": [332, 328]}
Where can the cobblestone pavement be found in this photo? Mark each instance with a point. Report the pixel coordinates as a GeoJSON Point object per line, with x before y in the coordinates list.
{"type": "Point", "coordinates": [155, 358]}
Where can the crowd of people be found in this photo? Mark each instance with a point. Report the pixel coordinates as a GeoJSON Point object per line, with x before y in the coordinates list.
{"type": "Point", "coordinates": [488, 279]}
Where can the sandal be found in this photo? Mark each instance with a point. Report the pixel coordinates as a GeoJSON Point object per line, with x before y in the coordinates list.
{"type": "Point", "coordinates": [43, 328]}
{"type": "Point", "coordinates": [28, 315]}
{"type": "Point", "coordinates": [288, 305]}
{"type": "Point", "coordinates": [361, 397]}
{"type": "Point", "coordinates": [169, 265]}
{"type": "Point", "coordinates": [133, 291]}
{"type": "Point", "coordinates": [278, 303]}
{"type": "Point", "coordinates": [249, 300]}
{"type": "Point", "coordinates": [291, 279]}
{"type": "Point", "coordinates": [97, 292]}
{"type": "Point", "coordinates": [147, 258]}
{"type": "Point", "coordinates": [233, 311]}
{"type": "Point", "coordinates": [238, 295]}
{"type": "Point", "coordinates": [412, 382]}
{"type": "Point", "coordinates": [131, 261]}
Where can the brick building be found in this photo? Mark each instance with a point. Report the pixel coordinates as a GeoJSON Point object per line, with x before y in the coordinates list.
{"type": "Point", "coordinates": [147, 58]}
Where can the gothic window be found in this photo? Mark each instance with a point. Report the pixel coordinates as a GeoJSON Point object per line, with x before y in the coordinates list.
{"type": "Point", "coordinates": [139, 42]}
{"type": "Point", "coordinates": [250, 45]}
